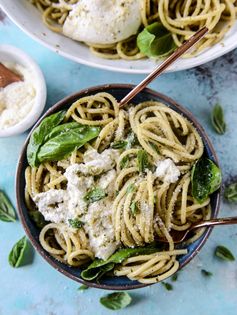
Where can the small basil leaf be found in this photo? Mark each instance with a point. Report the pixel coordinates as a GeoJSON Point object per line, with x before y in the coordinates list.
{"type": "Point", "coordinates": [7, 212]}
{"type": "Point", "coordinates": [119, 144]}
{"type": "Point", "coordinates": [130, 189]}
{"type": "Point", "coordinates": [83, 287]}
{"type": "Point", "coordinates": [37, 137]}
{"type": "Point", "coordinates": [131, 140]}
{"type": "Point", "coordinates": [134, 208]}
{"type": "Point", "coordinates": [205, 178]}
{"type": "Point", "coordinates": [95, 194]}
{"type": "Point", "coordinates": [38, 218]}
{"type": "Point", "coordinates": [155, 41]}
{"type": "Point", "coordinates": [230, 192]}
{"type": "Point", "coordinates": [116, 301]}
{"type": "Point", "coordinates": [206, 273]}
{"type": "Point", "coordinates": [75, 223]}
{"type": "Point", "coordinates": [17, 254]}
{"type": "Point", "coordinates": [143, 162]}
{"type": "Point", "coordinates": [167, 285]}
{"type": "Point", "coordinates": [174, 277]}
{"type": "Point", "coordinates": [124, 162]}
{"type": "Point", "coordinates": [94, 269]}
{"type": "Point", "coordinates": [218, 119]}
{"type": "Point", "coordinates": [224, 253]}
{"type": "Point", "coordinates": [63, 144]}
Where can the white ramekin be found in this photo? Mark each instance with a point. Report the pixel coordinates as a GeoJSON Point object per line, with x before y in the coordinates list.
{"type": "Point", "coordinates": [12, 54]}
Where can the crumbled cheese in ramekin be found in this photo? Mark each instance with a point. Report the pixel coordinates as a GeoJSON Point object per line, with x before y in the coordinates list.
{"type": "Point", "coordinates": [18, 98]}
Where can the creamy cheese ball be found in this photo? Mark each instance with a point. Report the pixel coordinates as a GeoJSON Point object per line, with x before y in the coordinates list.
{"type": "Point", "coordinates": [103, 21]}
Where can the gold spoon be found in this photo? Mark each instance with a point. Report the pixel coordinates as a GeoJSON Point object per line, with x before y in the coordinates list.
{"type": "Point", "coordinates": [164, 65]}
{"type": "Point", "coordinates": [179, 236]}
{"type": "Point", "coordinates": [7, 76]}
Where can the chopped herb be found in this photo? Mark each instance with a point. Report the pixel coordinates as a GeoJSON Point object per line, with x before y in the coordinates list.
{"type": "Point", "coordinates": [124, 162]}
{"type": "Point", "coordinates": [134, 208]}
{"type": "Point", "coordinates": [116, 301]}
{"type": "Point", "coordinates": [218, 119]}
{"type": "Point", "coordinates": [119, 144]}
{"type": "Point", "coordinates": [95, 194]}
{"type": "Point", "coordinates": [130, 188]}
{"type": "Point", "coordinates": [224, 253]}
{"type": "Point", "coordinates": [154, 147]}
{"type": "Point", "coordinates": [206, 273]}
{"type": "Point", "coordinates": [83, 287]}
{"type": "Point", "coordinates": [230, 192]}
{"type": "Point", "coordinates": [7, 212]}
{"type": "Point", "coordinates": [174, 277]}
{"type": "Point", "coordinates": [18, 252]}
{"type": "Point", "coordinates": [131, 140]}
{"type": "Point", "coordinates": [167, 285]}
{"type": "Point", "coordinates": [75, 223]}
{"type": "Point", "coordinates": [143, 162]}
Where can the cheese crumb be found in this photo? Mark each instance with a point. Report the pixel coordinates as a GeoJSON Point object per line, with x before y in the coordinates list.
{"type": "Point", "coordinates": [167, 171]}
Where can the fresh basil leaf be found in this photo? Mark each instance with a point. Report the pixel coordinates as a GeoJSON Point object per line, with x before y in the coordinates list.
{"type": "Point", "coordinates": [17, 254]}
{"type": "Point", "coordinates": [7, 212]}
{"type": "Point", "coordinates": [143, 162]}
{"type": "Point", "coordinates": [218, 119]}
{"type": "Point", "coordinates": [205, 178]}
{"type": "Point", "coordinates": [134, 208]}
{"type": "Point", "coordinates": [67, 127]}
{"type": "Point", "coordinates": [224, 253]}
{"type": "Point", "coordinates": [155, 41]}
{"type": "Point", "coordinates": [83, 287]}
{"type": "Point", "coordinates": [167, 285]}
{"type": "Point", "coordinates": [75, 223]}
{"type": "Point", "coordinates": [63, 144]}
{"type": "Point", "coordinates": [124, 162]}
{"type": "Point", "coordinates": [119, 144]}
{"type": "Point", "coordinates": [95, 194]}
{"type": "Point", "coordinates": [206, 273]}
{"type": "Point", "coordinates": [230, 192]}
{"type": "Point", "coordinates": [131, 140]}
{"type": "Point", "coordinates": [38, 218]}
{"type": "Point", "coordinates": [116, 301]}
{"type": "Point", "coordinates": [94, 269]}
{"type": "Point", "coordinates": [38, 136]}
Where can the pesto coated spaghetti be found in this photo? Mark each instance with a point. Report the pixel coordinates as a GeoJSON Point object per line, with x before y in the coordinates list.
{"type": "Point", "coordinates": [127, 186]}
{"type": "Point", "coordinates": [181, 18]}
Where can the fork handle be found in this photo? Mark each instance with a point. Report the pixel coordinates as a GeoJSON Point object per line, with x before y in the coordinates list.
{"type": "Point", "coordinates": [212, 222]}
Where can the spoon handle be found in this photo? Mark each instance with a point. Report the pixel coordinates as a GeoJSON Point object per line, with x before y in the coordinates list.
{"type": "Point", "coordinates": [220, 221]}
{"type": "Point", "coordinates": [164, 65]}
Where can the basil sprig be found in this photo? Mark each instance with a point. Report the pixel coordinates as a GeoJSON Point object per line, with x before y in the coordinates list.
{"type": "Point", "coordinates": [100, 266]}
{"type": "Point", "coordinates": [142, 160]}
{"type": "Point", "coordinates": [95, 194]}
{"type": "Point", "coordinates": [18, 253]}
{"type": "Point", "coordinates": [224, 253]}
{"type": "Point", "coordinates": [218, 119]}
{"type": "Point", "coordinates": [52, 140]}
{"type": "Point", "coordinates": [7, 212]}
{"type": "Point", "coordinates": [116, 301]}
{"type": "Point", "coordinates": [155, 41]}
{"type": "Point", "coordinates": [206, 178]}
{"type": "Point", "coordinates": [230, 192]}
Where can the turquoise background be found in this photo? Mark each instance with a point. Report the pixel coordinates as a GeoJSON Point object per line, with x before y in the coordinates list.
{"type": "Point", "coordinates": [37, 288]}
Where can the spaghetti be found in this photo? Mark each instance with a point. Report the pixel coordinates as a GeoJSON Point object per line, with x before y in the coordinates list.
{"type": "Point", "coordinates": [137, 206]}
{"type": "Point", "coordinates": [181, 18]}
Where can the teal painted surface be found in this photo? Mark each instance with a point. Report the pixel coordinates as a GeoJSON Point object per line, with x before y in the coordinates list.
{"type": "Point", "coordinates": [37, 289]}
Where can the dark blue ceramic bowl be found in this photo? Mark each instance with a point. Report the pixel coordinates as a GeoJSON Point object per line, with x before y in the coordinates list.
{"type": "Point", "coordinates": [118, 91]}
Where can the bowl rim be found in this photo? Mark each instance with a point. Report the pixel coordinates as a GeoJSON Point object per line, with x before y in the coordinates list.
{"type": "Point", "coordinates": [57, 106]}
{"type": "Point", "coordinates": [17, 55]}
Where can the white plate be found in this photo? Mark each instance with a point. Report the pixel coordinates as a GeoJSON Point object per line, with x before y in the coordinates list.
{"type": "Point", "coordinates": [29, 20]}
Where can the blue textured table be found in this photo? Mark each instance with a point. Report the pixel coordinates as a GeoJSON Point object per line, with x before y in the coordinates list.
{"type": "Point", "coordinates": [39, 289]}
